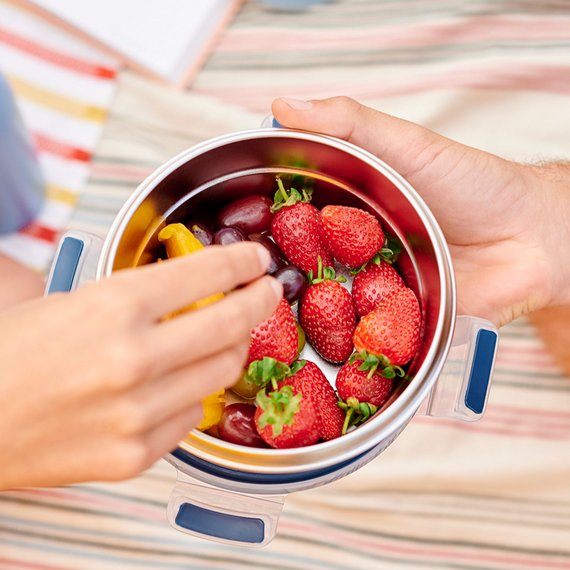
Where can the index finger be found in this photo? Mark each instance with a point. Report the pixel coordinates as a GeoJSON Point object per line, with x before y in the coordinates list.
{"type": "Point", "coordinates": [175, 283]}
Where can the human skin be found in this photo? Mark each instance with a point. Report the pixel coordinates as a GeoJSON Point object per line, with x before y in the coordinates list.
{"type": "Point", "coordinates": [96, 385]}
{"type": "Point", "coordinates": [18, 283]}
{"type": "Point", "coordinates": [507, 224]}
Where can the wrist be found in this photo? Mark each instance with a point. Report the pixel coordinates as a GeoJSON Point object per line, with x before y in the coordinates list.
{"type": "Point", "coordinates": [551, 185]}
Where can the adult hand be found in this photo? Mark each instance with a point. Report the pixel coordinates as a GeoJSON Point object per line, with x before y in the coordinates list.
{"type": "Point", "coordinates": [507, 224]}
{"type": "Point", "coordinates": [94, 385]}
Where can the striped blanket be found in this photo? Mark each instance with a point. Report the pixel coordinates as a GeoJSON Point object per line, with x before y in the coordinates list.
{"type": "Point", "coordinates": [493, 495]}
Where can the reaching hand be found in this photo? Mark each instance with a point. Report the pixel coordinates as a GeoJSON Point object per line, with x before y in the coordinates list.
{"type": "Point", "coordinates": [96, 386]}
{"type": "Point", "coordinates": [507, 224]}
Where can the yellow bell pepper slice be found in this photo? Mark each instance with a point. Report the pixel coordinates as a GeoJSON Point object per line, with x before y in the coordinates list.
{"type": "Point", "coordinates": [179, 241]}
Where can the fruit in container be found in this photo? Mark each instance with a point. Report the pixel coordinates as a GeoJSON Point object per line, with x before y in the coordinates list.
{"type": "Point", "coordinates": [392, 329]}
{"type": "Point", "coordinates": [237, 425]}
{"type": "Point", "coordinates": [313, 384]}
{"type": "Point", "coordinates": [276, 337]}
{"type": "Point", "coordinates": [372, 284]}
{"type": "Point", "coordinates": [228, 236]}
{"type": "Point", "coordinates": [277, 258]}
{"type": "Point", "coordinates": [327, 315]}
{"type": "Point", "coordinates": [284, 418]}
{"type": "Point", "coordinates": [297, 230]}
{"type": "Point", "coordinates": [251, 214]}
{"type": "Point", "coordinates": [202, 232]}
{"type": "Point", "coordinates": [352, 235]}
{"type": "Point", "coordinates": [294, 282]}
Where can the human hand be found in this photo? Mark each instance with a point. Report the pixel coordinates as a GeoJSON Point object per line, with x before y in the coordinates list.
{"type": "Point", "coordinates": [94, 385]}
{"type": "Point", "coordinates": [507, 224]}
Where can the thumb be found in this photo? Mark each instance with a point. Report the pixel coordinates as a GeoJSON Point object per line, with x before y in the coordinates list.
{"type": "Point", "coordinates": [405, 146]}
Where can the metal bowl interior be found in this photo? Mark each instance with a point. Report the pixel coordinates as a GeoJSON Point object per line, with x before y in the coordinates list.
{"type": "Point", "coordinates": [195, 184]}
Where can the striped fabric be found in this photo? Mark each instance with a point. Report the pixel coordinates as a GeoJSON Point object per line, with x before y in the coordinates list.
{"type": "Point", "coordinates": [446, 495]}
{"type": "Point", "coordinates": [63, 90]}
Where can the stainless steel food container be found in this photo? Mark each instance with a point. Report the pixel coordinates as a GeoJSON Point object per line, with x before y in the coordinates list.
{"type": "Point", "coordinates": [234, 494]}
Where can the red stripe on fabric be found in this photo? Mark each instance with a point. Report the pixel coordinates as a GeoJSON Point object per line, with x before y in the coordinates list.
{"type": "Point", "coordinates": [120, 172]}
{"type": "Point", "coordinates": [47, 144]}
{"type": "Point", "coordinates": [12, 563]}
{"type": "Point", "coordinates": [60, 59]}
{"type": "Point", "coordinates": [548, 414]}
{"type": "Point", "coordinates": [88, 499]}
{"type": "Point", "coordinates": [40, 232]}
{"type": "Point", "coordinates": [445, 34]}
{"type": "Point", "coordinates": [519, 430]}
{"type": "Point", "coordinates": [419, 551]}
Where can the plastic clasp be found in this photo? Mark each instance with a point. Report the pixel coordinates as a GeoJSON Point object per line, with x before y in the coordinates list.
{"type": "Point", "coordinates": [228, 517]}
{"type": "Point", "coordinates": [75, 262]}
{"type": "Point", "coordinates": [463, 386]}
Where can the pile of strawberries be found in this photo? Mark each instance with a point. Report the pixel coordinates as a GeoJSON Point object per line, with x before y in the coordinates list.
{"type": "Point", "coordinates": [371, 332]}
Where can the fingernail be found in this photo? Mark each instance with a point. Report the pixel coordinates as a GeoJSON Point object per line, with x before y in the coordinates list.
{"type": "Point", "coordinates": [277, 287]}
{"type": "Point", "coordinates": [264, 257]}
{"type": "Point", "coordinates": [297, 104]}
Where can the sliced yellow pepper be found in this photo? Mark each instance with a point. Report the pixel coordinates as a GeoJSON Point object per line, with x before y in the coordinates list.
{"type": "Point", "coordinates": [179, 241]}
{"type": "Point", "coordinates": [213, 408]}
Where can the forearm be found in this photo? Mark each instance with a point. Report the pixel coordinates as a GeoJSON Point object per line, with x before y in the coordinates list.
{"type": "Point", "coordinates": [18, 283]}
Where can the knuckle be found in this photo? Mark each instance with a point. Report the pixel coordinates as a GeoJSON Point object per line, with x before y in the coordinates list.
{"type": "Point", "coordinates": [132, 456]}
{"type": "Point", "coordinates": [235, 319]}
{"type": "Point", "coordinates": [127, 363]}
{"type": "Point", "coordinates": [131, 418]}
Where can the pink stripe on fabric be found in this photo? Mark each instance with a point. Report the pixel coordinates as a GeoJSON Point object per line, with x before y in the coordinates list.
{"type": "Point", "coordinates": [423, 552]}
{"type": "Point", "coordinates": [73, 496]}
{"type": "Point", "coordinates": [13, 563]}
{"type": "Point", "coordinates": [451, 33]}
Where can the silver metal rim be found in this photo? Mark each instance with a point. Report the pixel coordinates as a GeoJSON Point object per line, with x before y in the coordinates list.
{"type": "Point", "coordinates": [379, 427]}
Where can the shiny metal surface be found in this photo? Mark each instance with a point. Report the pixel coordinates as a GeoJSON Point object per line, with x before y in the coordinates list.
{"type": "Point", "coordinates": [246, 163]}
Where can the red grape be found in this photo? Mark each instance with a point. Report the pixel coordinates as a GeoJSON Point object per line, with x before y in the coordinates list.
{"type": "Point", "coordinates": [227, 236]}
{"type": "Point", "coordinates": [251, 214]}
{"type": "Point", "coordinates": [277, 257]}
{"type": "Point", "coordinates": [294, 282]}
{"type": "Point", "coordinates": [238, 426]}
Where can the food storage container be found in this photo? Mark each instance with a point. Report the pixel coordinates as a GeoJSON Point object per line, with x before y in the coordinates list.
{"type": "Point", "coordinates": [234, 494]}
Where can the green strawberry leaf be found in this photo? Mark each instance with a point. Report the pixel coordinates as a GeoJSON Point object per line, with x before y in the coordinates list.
{"type": "Point", "coordinates": [324, 274]}
{"type": "Point", "coordinates": [356, 412]}
{"type": "Point", "coordinates": [265, 371]}
{"type": "Point", "coordinates": [279, 408]}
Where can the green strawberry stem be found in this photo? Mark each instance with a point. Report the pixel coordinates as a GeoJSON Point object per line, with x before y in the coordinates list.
{"type": "Point", "coordinates": [283, 199]}
{"type": "Point", "coordinates": [324, 274]}
{"type": "Point", "coordinates": [389, 253]}
{"type": "Point", "coordinates": [356, 412]}
{"type": "Point", "coordinates": [371, 363]}
{"type": "Point", "coordinates": [279, 408]}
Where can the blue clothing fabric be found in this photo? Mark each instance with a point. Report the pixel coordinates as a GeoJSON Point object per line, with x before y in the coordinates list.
{"type": "Point", "coordinates": [21, 185]}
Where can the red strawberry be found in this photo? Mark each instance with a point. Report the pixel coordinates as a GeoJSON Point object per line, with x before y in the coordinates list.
{"type": "Point", "coordinates": [313, 384]}
{"type": "Point", "coordinates": [352, 235]}
{"type": "Point", "coordinates": [297, 230]}
{"type": "Point", "coordinates": [328, 317]}
{"type": "Point", "coordinates": [354, 381]}
{"type": "Point", "coordinates": [392, 329]}
{"type": "Point", "coordinates": [372, 284]}
{"type": "Point", "coordinates": [284, 418]}
{"type": "Point", "coordinates": [276, 337]}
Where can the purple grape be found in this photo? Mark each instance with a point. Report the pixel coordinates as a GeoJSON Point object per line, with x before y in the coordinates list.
{"type": "Point", "coordinates": [251, 214]}
{"type": "Point", "coordinates": [227, 236]}
{"type": "Point", "coordinates": [294, 282]}
{"type": "Point", "coordinates": [238, 426]}
{"type": "Point", "coordinates": [277, 257]}
{"type": "Point", "coordinates": [202, 233]}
